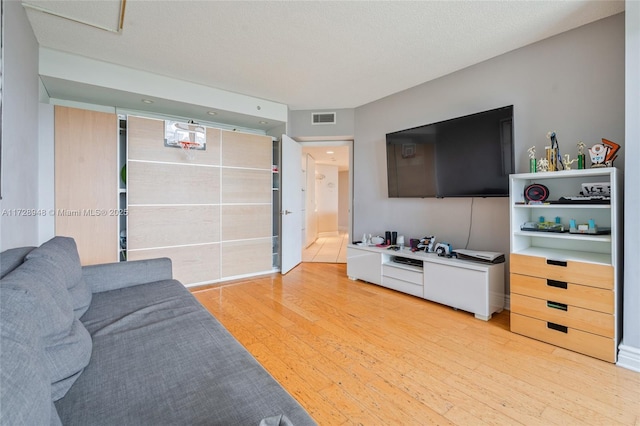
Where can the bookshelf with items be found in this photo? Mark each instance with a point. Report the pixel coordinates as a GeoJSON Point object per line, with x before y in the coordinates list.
{"type": "Point", "coordinates": [565, 260]}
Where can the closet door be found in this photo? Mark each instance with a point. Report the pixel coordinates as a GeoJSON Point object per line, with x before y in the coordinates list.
{"type": "Point", "coordinates": [246, 210]}
{"type": "Point", "coordinates": [86, 182]}
{"type": "Point", "coordinates": [173, 202]}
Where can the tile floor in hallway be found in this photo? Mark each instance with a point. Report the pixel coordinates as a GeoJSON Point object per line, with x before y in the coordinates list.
{"type": "Point", "coordinates": [328, 249]}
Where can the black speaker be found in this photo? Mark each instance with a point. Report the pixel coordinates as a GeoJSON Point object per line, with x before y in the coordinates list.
{"type": "Point", "coordinates": [536, 192]}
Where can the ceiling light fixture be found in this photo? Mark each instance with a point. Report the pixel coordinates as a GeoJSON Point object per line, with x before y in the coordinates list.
{"type": "Point", "coordinates": [329, 152]}
{"type": "Point", "coordinates": [212, 113]}
{"type": "Point", "coordinates": [264, 122]}
{"type": "Point", "coordinates": [147, 101]}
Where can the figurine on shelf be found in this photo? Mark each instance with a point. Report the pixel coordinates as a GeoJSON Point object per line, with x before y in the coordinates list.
{"type": "Point", "coordinates": [568, 162]}
{"type": "Point", "coordinates": [543, 165]}
{"type": "Point", "coordinates": [581, 158]}
{"type": "Point", "coordinates": [532, 159]}
{"type": "Point", "coordinates": [598, 154]}
{"type": "Point", "coordinates": [553, 153]}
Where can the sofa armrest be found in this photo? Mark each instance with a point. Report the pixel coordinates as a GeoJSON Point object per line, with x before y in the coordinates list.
{"type": "Point", "coordinates": [111, 276]}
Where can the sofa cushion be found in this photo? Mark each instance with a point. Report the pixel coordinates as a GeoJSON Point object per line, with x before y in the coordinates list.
{"type": "Point", "coordinates": [12, 258]}
{"type": "Point", "coordinates": [63, 252]}
{"type": "Point", "coordinates": [66, 343]}
{"type": "Point", "coordinates": [25, 386]}
{"type": "Point", "coordinates": [160, 358]}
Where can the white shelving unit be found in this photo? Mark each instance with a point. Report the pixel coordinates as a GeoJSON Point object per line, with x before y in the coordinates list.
{"type": "Point", "coordinates": [559, 280]}
{"type": "Point", "coordinates": [462, 284]}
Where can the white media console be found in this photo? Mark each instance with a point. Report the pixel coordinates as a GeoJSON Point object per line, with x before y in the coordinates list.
{"type": "Point", "coordinates": [471, 286]}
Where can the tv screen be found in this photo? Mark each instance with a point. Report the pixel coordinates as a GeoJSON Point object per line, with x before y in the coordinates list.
{"type": "Point", "coordinates": [470, 156]}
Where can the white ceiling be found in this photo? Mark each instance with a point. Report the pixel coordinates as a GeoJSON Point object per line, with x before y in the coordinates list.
{"type": "Point", "coordinates": [306, 54]}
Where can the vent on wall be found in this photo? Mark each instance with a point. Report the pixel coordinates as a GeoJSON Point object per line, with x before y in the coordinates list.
{"type": "Point", "coordinates": [323, 118]}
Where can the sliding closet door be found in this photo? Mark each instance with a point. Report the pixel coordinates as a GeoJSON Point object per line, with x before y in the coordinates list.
{"type": "Point", "coordinates": [247, 224]}
{"type": "Point", "coordinates": [211, 214]}
{"type": "Point", "coordinates": [173, 202]}
{"type": "Point", "coordinates": [86, 182]}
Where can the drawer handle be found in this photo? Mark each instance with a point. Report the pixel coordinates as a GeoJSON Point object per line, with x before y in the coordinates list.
{"type": "Point", "coordinates": [557, 262]}
{"type": "Point", "coordinates": [556, 305]}
{"type": "Point", "coordinates": [557, 284]}
{"type": "Point", "coordinates": [557, 327]}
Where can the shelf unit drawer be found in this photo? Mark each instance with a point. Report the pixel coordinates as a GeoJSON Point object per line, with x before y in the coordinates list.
{"type": "Point", "coordinates": [576, 340]}
{"type": "Point", "coordinates": [566, 315]}
{"type": "Point", "coordinates": [403, 273]}
{"type": "Point", "coordinates": [593, 298]}
{"type": "Point", "coordinates": [590, 274]}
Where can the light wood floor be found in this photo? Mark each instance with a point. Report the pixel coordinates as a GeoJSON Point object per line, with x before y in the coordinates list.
{"type": "Point", "coordinates": [327, 249]}
{"type": "Point", "coordinates": [356, 353]}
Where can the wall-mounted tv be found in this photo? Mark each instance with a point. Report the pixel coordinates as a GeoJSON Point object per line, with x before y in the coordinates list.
{"type": "Point", "coordinates": [470, 156]}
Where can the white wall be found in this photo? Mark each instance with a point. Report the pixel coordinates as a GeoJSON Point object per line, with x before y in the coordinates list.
{"type": "Point", "coordinates": [572, 83]}
{"type": "Point", "coordinates": [19, 130]}
{"type": "Point", "coordinates": [630, 346]}
{"type": "Point", "coordinates": [327, 198]}
{"type": "Point", "coordinates": [343, 201]}
{"type": "Point", "coordinates": [46, 165]}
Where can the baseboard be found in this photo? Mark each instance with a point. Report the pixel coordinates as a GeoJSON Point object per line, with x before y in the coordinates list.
{"type": "Point", "coordinates": [629, 357]}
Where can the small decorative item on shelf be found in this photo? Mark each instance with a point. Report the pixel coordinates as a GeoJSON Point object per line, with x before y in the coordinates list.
{"type": "Point", "coordinates": [613, 150]}
{"type": "Point", "coordinates": [581, 157]}
{"type": "Point", "coordinates": [543, 165]}
{"type": "Point", "coordinates": [532, 159]}
{"type": "Point", "coordinates": [598, 154]}
{"type": "Point", "coordinates": [568, 162]}
{"type": "Point", "coordinates": [553, 153]}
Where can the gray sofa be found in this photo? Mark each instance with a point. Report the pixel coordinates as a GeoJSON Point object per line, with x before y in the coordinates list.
{"type": "Point", "coordinates": [121, 344]}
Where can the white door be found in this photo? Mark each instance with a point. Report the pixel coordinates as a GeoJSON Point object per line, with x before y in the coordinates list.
{"type": "Point", "coordinates": [291, 205]}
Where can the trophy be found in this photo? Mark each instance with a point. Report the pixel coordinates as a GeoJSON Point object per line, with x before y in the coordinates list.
{"type": "Point", "coordinates": [567, 162]}
{"type": "Point", "coordinates": [581, 163]}
{"type": "Point", "coordinates": [532, 159]}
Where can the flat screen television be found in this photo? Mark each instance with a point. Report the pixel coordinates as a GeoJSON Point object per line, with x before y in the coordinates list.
{"type": "Point", "coordinates": [470, 156]}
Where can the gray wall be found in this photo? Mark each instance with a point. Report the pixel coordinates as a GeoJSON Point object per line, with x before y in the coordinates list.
{"type": "Point", "coordinates": [630, 347]}
{"type": "Point", "coordinates": [572, 83]}
{"type": "Point", "coordinates": [299, 125]}
{"type": "Point", "coordinates": [19, 129]}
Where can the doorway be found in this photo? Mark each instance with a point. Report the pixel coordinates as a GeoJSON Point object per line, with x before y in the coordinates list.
{"type": "Point", "coordinates": [327, 193]}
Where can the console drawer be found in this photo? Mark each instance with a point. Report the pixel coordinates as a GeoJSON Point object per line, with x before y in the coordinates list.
{"type": "Point", "coordinates": [576, 340]}
{"type": "Point", "coordinates": [593, 298]}
{"type": "Point", "coordinates": [566, 315]}
{"type": "Point", "coordinates": [591, 274]}
{"type": "Point", "coordinates": [403, 273]}
{"type": "Point", "coordinates": [403, 286]}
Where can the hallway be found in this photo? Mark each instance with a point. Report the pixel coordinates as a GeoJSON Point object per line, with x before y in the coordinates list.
{"type": "Point", "coordinates": [330, 249]}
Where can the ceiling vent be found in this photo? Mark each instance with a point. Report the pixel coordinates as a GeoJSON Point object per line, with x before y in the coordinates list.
{"type": "Point", "coordinates": [323, 118]}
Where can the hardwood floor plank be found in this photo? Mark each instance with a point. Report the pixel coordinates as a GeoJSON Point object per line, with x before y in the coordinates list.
{"type": "Point", "coordinates": [356, 353]}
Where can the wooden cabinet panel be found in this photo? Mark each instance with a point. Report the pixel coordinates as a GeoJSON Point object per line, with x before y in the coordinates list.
{"type": "Point", "coordinates": [246, 186]}
{"type": "Point", "coordinates": [246, 257]}
{"type": "Point", "coordinates": [162, 183]}
{"type": "Point", "coordinates": [145, 140]}
{"type": "Point", "coordinates": [246, 150]}
{"type": "Point", "coordinates": [570, 338]}
{"type": "Point", "coordinates": [578, 272]}
{"type": "Point", "coordinates": [161, 226]}
{"type": "Point", "coordinates": [86, 182]}
{"type": "Point", "coordinates": [567, 315]}
{"type": "Point", "coordinates": [246, 221]}
{"type": "Point", "coordinates": [593, 298]}
{"type": "Point", "coordinates": [191, 264]}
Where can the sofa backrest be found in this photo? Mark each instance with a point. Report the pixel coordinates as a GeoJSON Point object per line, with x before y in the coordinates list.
{"type": "Point", "coordinates": [12, 258]}
{"type": "Point", "coordinates": [44, 344]}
